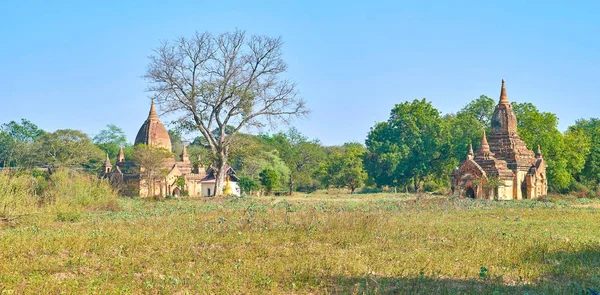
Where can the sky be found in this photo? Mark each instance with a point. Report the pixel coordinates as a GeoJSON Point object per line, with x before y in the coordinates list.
{"type": "Point", "coordinates": [79, 64]}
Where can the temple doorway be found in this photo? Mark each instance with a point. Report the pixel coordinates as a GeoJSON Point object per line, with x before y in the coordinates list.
{"type": "Point", "coordinates": [470, 193]}
{"type": "Point", "coordinates": [176, 192]}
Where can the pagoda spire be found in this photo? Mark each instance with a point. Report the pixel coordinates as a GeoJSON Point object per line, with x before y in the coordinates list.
{"type": "Point", "coordinates": [538, 154]}
{"type": "Point", "coordinates": [121, 156]}
{"type": "Point", "coordinates": [503, 96]}
{"type": "Point", "coordinates": [484, 147]}
{"type": "Point", "coordinates": [184, 154]}
{"type": "Point", "coordinates": [107, 163]}
{"type": "Point", "coordinates": [152, 114]}
{"type": "Point", "coordinates": [471, 153]}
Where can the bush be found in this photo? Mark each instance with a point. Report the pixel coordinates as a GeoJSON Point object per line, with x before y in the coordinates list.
{"type": "Point", "coordinates": [75, 189]}
{"type": "Point", "coordinates": [17, 196]}
{"type": "Point", "coordinates": [247, 184]}
{"type": "Point", "coordinates": [64, 193]}
{"type": "Point", "coordinates": [582, 191]}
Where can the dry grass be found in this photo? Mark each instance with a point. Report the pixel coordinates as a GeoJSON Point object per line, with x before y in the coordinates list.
{"type": "Point", "coordinates": [360, 244]}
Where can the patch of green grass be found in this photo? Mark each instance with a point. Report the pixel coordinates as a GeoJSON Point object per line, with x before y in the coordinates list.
{"type": "Point", "coordinates": [343, 244]}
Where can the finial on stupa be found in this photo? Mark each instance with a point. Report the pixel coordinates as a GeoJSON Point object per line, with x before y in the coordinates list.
{"type": "Point", "coordinates": [107, 163]}
{"type": "Point", "coordinates": [503, 96]}
{"type": "Point", "coordinates": [538, 154]}
{"type": "Point", "coordinates": [484, 147]}
{"type": "Point", "coordinates": [184, 154]}
{"type": "Point", "coordinates": [471, 153]}
{"type": "Point", "coordinates": [184, 151]}
{"type": "Point", "coordinates": [121, 156]}
{"type": "Point", "coordinates": [152, 114]}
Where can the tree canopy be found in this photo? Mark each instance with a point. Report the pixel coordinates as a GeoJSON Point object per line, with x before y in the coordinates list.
{"type": "Point", "coordinates": [412, 145]}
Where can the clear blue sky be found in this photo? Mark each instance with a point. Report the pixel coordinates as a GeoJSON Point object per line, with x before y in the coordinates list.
{"type": "Point", "coordinates": [77, 64]}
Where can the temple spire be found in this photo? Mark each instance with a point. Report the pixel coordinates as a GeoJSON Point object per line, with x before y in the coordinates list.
{"type": "Point", "coordinates": [471, 153]}
{"type": "Point", "coordinates": [121, 156]}
{"type": "Point", "coordinates": [107, 163]}
{"type": "Point", "coordinates": [184, 154]}
{"type": "Point", "coordinates": [538, 154]}
{"type": "Point", "coordinates": [152, 114]}
{"type": "Point", "coordinates": [107, 166]}
{"type": "Point", "coordinates": [503, 96]}
{"type": "Point", "coordinates": [484, 147]}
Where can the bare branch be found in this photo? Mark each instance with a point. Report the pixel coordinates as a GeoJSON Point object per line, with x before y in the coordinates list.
{"type": "Point", "coordinates": [231, 79]}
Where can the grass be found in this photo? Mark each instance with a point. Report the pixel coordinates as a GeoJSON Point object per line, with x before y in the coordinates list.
{"type": "Point", "coordinates": [324, 244]}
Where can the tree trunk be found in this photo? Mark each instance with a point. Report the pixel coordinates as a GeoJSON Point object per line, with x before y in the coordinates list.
{"type": "Point", "coordinates": [291, 185]}
{"type": "Point", "coordinates": [416, 183]}
{"type": "Point", "coordinates": [220, 174]}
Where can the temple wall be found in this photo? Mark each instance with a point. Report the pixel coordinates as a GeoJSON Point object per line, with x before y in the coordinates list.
{"type": "Point", "coordinates": [505, 192]}
{"type": "Point", "coordinates": [194, 188]}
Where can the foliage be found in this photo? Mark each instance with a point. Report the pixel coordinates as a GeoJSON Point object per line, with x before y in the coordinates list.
{"type": "Point", "coordinates": [65, 194]}
{"type": "Point", "coordinates": [150, 164]}
{"type": "Point", "coordinates": [269, 178]}
{"type": "Point", "coordinates": [247, 184]}
{"type": "Point", "coordinates": [110, 140]}
{"type": "Point", "coordinates": [217, 81]}
{"type": "Point", "coordinates": [67, 148]}
{"type": "Point", "coordinates": [254, 164]}
{"type": "Point", "coordinates": [16, 143]}
{"type": "Point", "coordinates": [541, 128]}
{"type": "Point", "coordinates": [412, 145]}
{"type": "Point", "coordinates": [344, 167]}
{"type": "Point", "coordinates": [588, 131]}
{"type": "Point", "coordinates": [300, 155]}
{"type": "Point", "coordinates": [482, 109]}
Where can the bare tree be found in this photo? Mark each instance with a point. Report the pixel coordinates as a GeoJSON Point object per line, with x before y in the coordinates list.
{"type": "Point", "coordinates": [217, 82]}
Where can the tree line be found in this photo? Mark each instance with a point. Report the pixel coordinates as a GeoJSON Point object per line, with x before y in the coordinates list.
{"type": "Point", "coordinates": [416, 149]}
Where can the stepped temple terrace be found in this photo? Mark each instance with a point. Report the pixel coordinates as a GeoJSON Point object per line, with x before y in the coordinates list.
{"type": "Point", "coordinates": [502, 168]}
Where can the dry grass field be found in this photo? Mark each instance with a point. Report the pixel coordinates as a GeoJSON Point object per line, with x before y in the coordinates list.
{"type": "Point", "coordinates": [314, 244]}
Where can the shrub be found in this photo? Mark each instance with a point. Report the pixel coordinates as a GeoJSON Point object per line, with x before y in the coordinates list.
{"type": "Point", "coordinates": [582, 191]}
{"type": "Point", "coordinates": [247, 184]}
{"type": "Point", "coordinates": [75, 189]}
{"type": "Point", "coordinates": [64, 193]}
{"type": "Point", "coordinates": [17, 196]}
{"type": "Point", "coordinates": [269, 178]}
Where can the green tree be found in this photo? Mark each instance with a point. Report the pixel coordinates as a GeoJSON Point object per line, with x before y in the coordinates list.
{"type": "Point", "coordinates": [67, 148]}
{"type": "Point", "coordinates": [16, 143]}
{"type": "Point", "coordinates": [482, 109]}
{"type": "Point", "coordinates": [588, 131]}
{"type": "Point", "coordinates": [300, 155]}
{"type": "Point", "coordinates": [541, 128]}
{"type": "Point", "coordinates": [577, 150]}
{"type": "Point", "coordinates": [247, 184]}
{"type": "Point", "coordinates": [466, 126]}
{"type": "Point", "coordinates": [411, 146]}
{"type": "Point", "coordinates": [150, 164]}
{"type": "Point", "coordinates": [110, 140]}
{"type": "Point", "coordinates": [344, 167]}
{"type": "Point", "coordinates": [269, 178]}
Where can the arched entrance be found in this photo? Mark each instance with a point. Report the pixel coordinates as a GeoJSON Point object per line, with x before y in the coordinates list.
{"type": "Point", "coordinates": [176, 192]}
{"type": "Point", "coordinates": [470, 193]}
